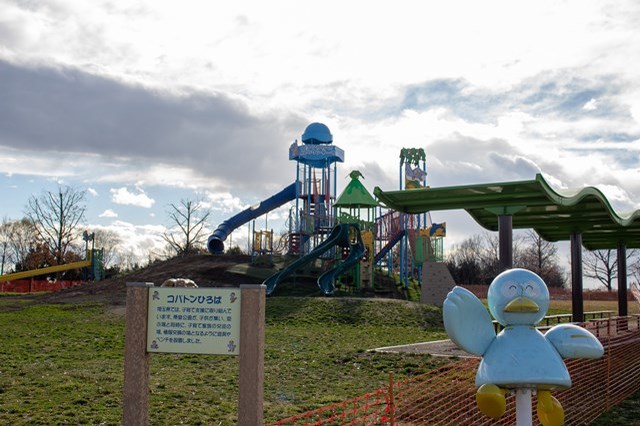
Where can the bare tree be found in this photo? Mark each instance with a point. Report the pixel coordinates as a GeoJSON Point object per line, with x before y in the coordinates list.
{"type": "Point", "coordinates": [490, 254]}
{"type": "Point", "coordinates": [17, 241]}
{"type": "Point", "coordinates": [6, 252]}
{"type": "Point", "coordinates": [109, 242]}
{"type": "Point", "coordinates": [476, 259]}
{"type": "Point", "coordinates": [128, 260]}
{"type": "Point", "coordinates": [56, 217]}
{"type": "Point", "coordinates": [23, 240]}
{"type": "Point", "coordinates": [602, 265]}
{"type": "Point", "coordinates": [541, 257]}
{"type": "Point", "coordinates": [188, 230]}
{"type": "Point", "coordinates": [634, 269]}
{"type": "Point", "coordinates": [467, 261]}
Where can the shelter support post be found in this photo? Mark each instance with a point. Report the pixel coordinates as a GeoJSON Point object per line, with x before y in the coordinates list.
{"type": "Point", "coordinates": [622, 280]}
{"type": "Point", "coordinates": [505, 243]}
{"type": "Point", "coordinates": [577, 307]}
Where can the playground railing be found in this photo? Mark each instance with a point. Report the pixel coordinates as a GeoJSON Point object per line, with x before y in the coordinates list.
{"type": "Point", "coordinates": [446, 396]}
{"type": "Point", "coordinates": [551, 320]}
{"type": "Point", "coordinates": [389, 224]}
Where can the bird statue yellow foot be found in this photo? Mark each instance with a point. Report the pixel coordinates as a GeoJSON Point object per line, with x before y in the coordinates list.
{"type": "Point", "coordinates": [550, 412]}
{"type": "Point", "coordinates": [491, 400]}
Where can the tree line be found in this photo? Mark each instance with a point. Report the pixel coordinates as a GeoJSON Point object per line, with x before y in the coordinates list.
{"type": "Point", "coordinates": [53, 231]}
{"type": "Point", "coordinates": [476, 261]}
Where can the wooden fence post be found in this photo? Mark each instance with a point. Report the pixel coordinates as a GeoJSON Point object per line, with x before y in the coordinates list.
{"type": "Point", "coordinates": [135, 409]}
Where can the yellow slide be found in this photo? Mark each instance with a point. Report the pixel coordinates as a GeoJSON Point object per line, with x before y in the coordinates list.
{"type": "Point", "coordinates": [43, 271]}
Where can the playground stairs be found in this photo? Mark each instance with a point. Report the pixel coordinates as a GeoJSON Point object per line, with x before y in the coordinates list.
{"type": "Point", "coordinates": [437, 282]}
{"type": "Point", "coordinates": [296, 241]}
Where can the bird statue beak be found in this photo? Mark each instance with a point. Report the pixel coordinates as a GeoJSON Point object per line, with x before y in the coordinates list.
{"type": "Point", "coordinates": [522, 304]}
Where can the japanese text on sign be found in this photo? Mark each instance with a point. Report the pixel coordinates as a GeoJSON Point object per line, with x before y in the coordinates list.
{"type": "Point", "coordinates": [194, 320]}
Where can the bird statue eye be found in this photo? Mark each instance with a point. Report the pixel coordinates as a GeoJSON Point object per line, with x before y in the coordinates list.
{"type": "Point", "coordinates": [510, 290]}
{"type": "Point", "coordinates": [531, 290]}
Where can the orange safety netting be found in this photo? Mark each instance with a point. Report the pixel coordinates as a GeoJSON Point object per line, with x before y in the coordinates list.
{"type": "Point", "coordinates": [34, 286]}
{"type": "Point", "coordinates": [446, 396]}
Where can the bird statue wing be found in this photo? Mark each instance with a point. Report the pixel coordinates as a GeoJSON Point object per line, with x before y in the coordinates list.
{"type": "Point", "coordinates": [467, 321]}
{"type": "Point", "coordinates": [572, 341]}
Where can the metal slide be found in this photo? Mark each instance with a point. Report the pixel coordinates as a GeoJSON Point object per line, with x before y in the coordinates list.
{"type": "Point", "coordinates": [215, 244]}
{"type": "Point", "coordinates": [339, 236]}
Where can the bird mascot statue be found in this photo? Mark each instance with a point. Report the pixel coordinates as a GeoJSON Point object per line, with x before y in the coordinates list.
{"type": "Point", "coordinates": [520, 356]}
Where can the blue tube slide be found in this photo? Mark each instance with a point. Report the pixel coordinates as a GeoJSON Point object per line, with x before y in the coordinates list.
{"type": "Point", "coordinates": [215, 244]}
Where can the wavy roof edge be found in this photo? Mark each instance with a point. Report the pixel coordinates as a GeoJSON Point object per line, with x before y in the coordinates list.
{"type": "Point", "coordinates": [574, 196]}
{"type": "Point", "coordinates": [534, 204]}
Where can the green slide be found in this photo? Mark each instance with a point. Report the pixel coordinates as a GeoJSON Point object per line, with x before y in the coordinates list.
{"type": "Point", "coordinates": [326, 281]}
{"type": "Point", "coordinates": [339, 236]}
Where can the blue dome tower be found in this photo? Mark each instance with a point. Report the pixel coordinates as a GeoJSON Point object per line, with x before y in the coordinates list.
{"type": "Point", "coordinates": [316, 166]}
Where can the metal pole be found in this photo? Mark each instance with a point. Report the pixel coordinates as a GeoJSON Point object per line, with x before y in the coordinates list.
{"type": "Point", "coordinates": [622, 280]}
{"type": "Point", "coordinates": [298, 189]}
{"type": "Point", "coordinates": [577, 307]}
{"type": "Point", "coordinates": [524, 412]}
{"type": "Point", "coordinates": [505, 241]}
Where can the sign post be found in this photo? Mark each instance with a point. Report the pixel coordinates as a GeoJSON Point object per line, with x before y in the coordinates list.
{"type": "Point", "coordinates": [135, 410]}
{"type": "Point", "coordinates": [219, 321]}
{"type": "Point", "coordinates": [251, 384]}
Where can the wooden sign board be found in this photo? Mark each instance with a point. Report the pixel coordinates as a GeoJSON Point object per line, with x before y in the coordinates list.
{"type": "Point", "coordinates": [194, 320]}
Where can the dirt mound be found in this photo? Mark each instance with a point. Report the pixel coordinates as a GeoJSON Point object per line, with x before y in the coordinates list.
{"type": "Point", "coordinates": [206, 270]}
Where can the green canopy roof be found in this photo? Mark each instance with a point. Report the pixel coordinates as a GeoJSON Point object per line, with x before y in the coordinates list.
{"type": "Point", "coordinates": [355, 194]}
{"type": "Point", "coordinates": [532, 204]}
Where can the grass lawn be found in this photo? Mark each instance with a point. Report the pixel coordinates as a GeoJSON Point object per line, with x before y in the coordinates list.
{"type": "Point", "coordinates": [63, 364]}
{"type": "Point", "coordinates": [564, 306]}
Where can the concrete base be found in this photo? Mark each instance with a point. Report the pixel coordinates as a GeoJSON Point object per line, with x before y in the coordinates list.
{"type": "Point", "coordinates": [437, 282]}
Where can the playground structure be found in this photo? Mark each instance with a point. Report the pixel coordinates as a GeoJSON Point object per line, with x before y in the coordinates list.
{"type": "Point", "coordinates": [92, 267]}
{"type": "Point", "coordinates": [618, 338]}
{"type": "Point", "coordinates": [318, 221]}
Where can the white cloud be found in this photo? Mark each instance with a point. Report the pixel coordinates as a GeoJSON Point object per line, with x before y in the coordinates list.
{"type": "Point", "coordinates": [618, 197]}
{"type": "Point", "coordinates": [108, 213]}
{"type": "Point", "coordinates": [157, 96]}
{"type": "Point", "coordinates": [123, 196]}
{"type": "Point", "coordinates": [224, 202]}
{"type": "Point", "coordinates": [592, 105]}
{"type": "Point", "coordinates": [92, 191]}
{"type": "Point", "coordinates": [137, 241]}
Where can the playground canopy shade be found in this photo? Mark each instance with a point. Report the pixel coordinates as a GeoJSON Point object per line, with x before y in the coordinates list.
{"type": "Point", "coordinates": [355, 195]}
{"type": "Point", "coordinates": [533, 204]}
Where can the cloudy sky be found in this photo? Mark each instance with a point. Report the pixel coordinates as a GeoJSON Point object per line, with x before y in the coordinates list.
{"type": "Point", "coordinates": [146, 102]}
